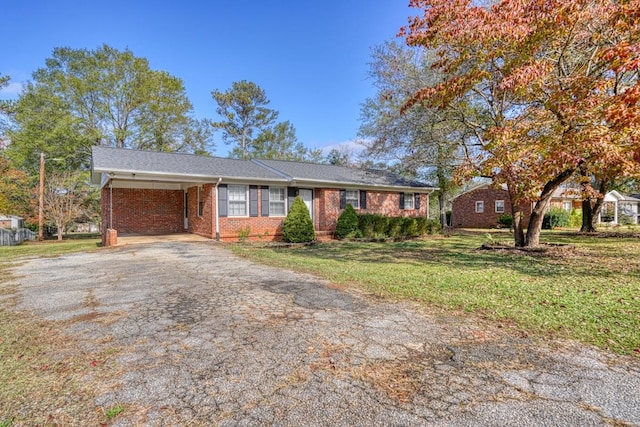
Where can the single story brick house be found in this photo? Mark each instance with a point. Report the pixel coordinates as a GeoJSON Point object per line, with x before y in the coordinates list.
{"type": "Point", "coordinates": [158, 193]}
{"type": "Point", "coordinates": [482, 206]}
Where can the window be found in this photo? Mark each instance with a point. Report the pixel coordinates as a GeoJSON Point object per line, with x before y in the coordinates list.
{"type": "Point", "coordinates": [499, 206]}
{"type": "Point", "coordinates": [479, 206]}
{"type": "Point", "coordinates": [200, 200]}
{"type": "Point", "coordinates": [237, 200]}
{"type": "Point", "coordinates": [409, 201]}
{"type": "Point", "coordinates": [353, 198]}
{"type": "Point", "coordinates": [567, 206]}
{"type": "Point", "coordinates": [277, 201]}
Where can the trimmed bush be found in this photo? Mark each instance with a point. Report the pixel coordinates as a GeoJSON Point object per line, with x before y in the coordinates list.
{"type": "Point", "coordinates": [575, 219]}
{"type": "Point", "coordinates": [556, 217]}
{"type": "Point", "coordinates": [298, 227]}
{"type": "Point", "coordinates": [373, 226]}
{"type": "Point", "coordinates": [505, 220]}
{"type": "Point", "coordinates": [347, 226]}
{"type": "Point", "coordinates": [409, 227]}
{"type": "Point", "coordinates": [395, 227]}
{"type": "Point", "coordinates": [433, 226]}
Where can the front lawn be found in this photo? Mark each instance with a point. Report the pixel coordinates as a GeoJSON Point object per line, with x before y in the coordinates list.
{"type": "Point", "coordinates": [588, 292]}
{"type": "Point", "coordinates": [47, 248]}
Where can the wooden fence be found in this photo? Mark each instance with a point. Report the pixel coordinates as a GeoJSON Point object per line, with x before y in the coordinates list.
{"type": "Point", "coordinates": [15, 237]}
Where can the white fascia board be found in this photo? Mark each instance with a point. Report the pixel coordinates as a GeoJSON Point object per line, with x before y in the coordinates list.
{"type": "Point", "coordinates": [128, 175]}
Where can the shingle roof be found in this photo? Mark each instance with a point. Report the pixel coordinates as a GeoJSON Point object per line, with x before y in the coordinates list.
{"type": "Point", "coordinates": [312, 172]}
{"type": "Point", "coordinates": [121, 160]}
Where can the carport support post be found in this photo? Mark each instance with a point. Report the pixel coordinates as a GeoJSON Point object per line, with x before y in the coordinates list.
{"type": "Point", "coordinates": [217, 210]}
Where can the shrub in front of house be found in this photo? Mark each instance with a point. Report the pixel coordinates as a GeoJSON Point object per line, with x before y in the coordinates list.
{"type": "Point", "coordinates": [395, 227]}
{"type": "Point", "coordinates": [505, 221]}
{"type": "Point", "coordinates": [373, 226]}
{"type": "Point", "coordinates": [298, 226]}
{"type": "Point", "coordinates": [347, 226]}
{"type": "Point", "coordinates": [409, 227]}
{"type": "Point", "coordinates": [556, 217]}
{"type": "Point", "coordinates": [432, 226]}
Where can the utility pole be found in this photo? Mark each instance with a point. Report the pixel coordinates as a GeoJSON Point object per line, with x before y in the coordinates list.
{"type": "Point", "coordinates": [41, 200]}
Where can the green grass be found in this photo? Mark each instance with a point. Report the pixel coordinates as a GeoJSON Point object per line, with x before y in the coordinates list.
{"type": "Point", "coordinates": [591, 293]}
{"type": "Point", "coordinates": [114, 411]}
{"type": "Point", "coordinates": [47, 248]}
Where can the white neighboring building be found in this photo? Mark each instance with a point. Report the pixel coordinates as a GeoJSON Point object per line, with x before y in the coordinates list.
{"type": "Point", "coordinates": [620, 205]}
{"type": "Point", "coordinates": [11, 222]}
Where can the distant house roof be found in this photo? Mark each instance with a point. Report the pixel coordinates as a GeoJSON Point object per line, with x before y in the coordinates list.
{"type": "Point", "coordinates": [614, 195]}
{"type": "Point", "coordinates": [120, 163]}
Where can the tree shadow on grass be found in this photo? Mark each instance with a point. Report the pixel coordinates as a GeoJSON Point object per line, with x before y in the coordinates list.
{"type": "Point", "coordinates": [577, 263]}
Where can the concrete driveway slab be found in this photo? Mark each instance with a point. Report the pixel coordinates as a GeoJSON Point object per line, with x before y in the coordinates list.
{"type": "Point", "coordinates": [201, 337]}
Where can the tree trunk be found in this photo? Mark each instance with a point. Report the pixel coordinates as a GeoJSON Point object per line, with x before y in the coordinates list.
{"type": "Point", "coordinates": [537, 214]}
{"type": "Point", "coordinates": [443, 209]}
{"type": "Point", "coordinates": [535, 223]}
{"type": "Point", "coordinates": [588, 220]}
{"type": "Point", "coordinates": [518, 231]}
{"type": "Point", "coordinates": [60, 232]}
{"type": "Point", "coordinates": [591, 210]}
{"type": "Point", "coordinates": [597, 207]}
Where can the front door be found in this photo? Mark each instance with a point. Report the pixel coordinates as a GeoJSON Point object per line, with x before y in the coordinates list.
{"type": "Point", "coordinates": [307, 197]}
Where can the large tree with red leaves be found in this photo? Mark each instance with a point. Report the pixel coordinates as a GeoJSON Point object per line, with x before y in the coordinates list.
{"type": "Point", "coordinates": [551, 87]}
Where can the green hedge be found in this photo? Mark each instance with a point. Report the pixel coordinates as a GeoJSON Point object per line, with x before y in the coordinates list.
{"type": "Point", "coordinates": [556, 217]}
{"type": "Point", "coordinates": [375, 226]}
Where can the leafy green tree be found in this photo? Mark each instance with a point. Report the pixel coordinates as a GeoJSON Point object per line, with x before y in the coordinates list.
{"type": "Point", "coordinates": [244, 113]}
{"type": "Point", "coordinates": [347, 225]}
{"type": "Point", "coordinates": [5, 106]}
{"type": "Point", "coordinates": [298, 226]}
{"type": "Point", "coordinates": [419, 142]}
{"type": "Point", "coordinates": [280, 143]}
{"type": "Point", "coordinates": [101, 97]}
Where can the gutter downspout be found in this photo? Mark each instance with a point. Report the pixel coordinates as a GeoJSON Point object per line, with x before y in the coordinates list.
{"type": "Point", "coordinates": [217, 211]}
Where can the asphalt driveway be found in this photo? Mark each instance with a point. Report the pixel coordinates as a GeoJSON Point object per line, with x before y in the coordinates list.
{"type": "Point", "coordinates": [198, 336]}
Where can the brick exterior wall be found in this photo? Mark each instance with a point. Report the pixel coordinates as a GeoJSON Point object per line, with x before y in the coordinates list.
{"type": "Point", "coordinates": [144, 211]}
{"type": "Point", "coordinates": [463, 210]}
{"type": "Point", "coordinates": [204, 224]}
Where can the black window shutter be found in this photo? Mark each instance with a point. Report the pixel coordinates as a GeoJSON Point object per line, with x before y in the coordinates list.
{"type": "Point", "coordinates": [222, 200]}
{"type": "Point", "coordinates": [401, 200]}
{"type": "Point", "coordinates": [363, 199]}
{"type": "Point", "coordinates": [418, 197]}
{"type": "Point", "coordinates": [292, 192]}
{"type": "Point", "coordinates": [343, 199]}
{"type": "Point", "coordinates": [265, 200]}
{"type": "Point", "coordinates": [253, 200]}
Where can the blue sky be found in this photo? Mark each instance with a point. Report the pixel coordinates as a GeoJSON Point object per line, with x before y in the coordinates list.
{"type": "Point", "coordinates": [311, 58]}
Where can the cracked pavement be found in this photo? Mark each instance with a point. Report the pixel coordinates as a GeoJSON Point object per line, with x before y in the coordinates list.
{"type": "Point", "coordinates": [198, 336]}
